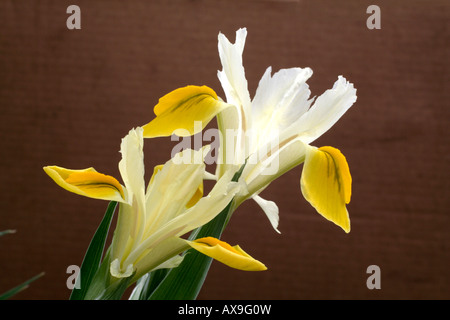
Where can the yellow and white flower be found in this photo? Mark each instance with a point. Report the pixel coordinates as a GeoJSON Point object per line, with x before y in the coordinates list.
{"type": "Point", "coordinates": [270, 134]}
{"type": "Point", "coordinates": [152, 220]}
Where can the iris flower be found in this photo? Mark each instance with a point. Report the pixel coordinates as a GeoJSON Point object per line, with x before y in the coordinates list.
{"type": "Point", "coordinates": [152, 220]}
{"type": "Point", "coordinates": [269, 134]}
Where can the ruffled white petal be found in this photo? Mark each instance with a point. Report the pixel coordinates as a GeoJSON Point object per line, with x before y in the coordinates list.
{"type": "Point", "coordinates": [280, 100]}
{"type": "Point", "coordinates": [326, 111]}
{"type": "Point", "coordinates": [132, 164]}
{"type": "Point", "coordinates": [233, 120]}
{"type": "Point", "coordinates": [232, 76]}
{"type": "Point", "coordinates": [131, 219]}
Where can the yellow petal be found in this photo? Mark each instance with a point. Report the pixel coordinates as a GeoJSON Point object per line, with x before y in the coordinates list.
{"type": "Point", "coordinates": [87, 182]}
{"type": "Point", "coordinates": [326, 184]}
{"type": "Point", "coordinates": [233, 257]}
{"type": "Point", "coordinates": [184, 112]}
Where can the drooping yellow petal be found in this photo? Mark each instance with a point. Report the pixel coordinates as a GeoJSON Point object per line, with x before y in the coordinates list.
{"type": "Point", "coordinates": [87, 182]}
{"type": "Point", "coordinates": [233, 257]}
{"type": "Point", "coordinates": [326, 184]}
{"type": "Point", "coordinates": [184, 112]}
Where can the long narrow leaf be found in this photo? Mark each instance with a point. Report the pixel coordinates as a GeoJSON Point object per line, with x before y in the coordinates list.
{"type": "Point", "coordinates": [105, 287]}
{"type": "Point", "coordinates": [92, 259]}
{"type": "Point", "coordinates": [2, 233]}
{"type": "Point", "coordinates": [116, 290]}
{"type": "Point", "coordinates": [147, 284]}
{"type": "Point", "coordinates": [20, 287]}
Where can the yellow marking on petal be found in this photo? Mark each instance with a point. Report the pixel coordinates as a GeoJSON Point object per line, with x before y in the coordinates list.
{"type": "Point", "coordinates": [156, 169]}
{"type": "Point", "coordinates": [196, 197]}
{"type": "Point", "coordinates": [345, 179]}
{"type": "Point", "coordinates": [179, 96]}
{"type": "Point", "coordinates": [87, 182]}
{"type": "Point", "coordinates": [233, 257]}
{"type": "Point", "coordinates": [326, 184]}
{"type": "Point", "coordinates": [95, 183]}
{"type": "Point", "coordinates": [178, 111]}
{"type": "Point", "coordinates": [210, 241]}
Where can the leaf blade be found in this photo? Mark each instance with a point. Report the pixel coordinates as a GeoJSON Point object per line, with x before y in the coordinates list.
{"type": "Point", "coordinates": [20, 287]}
{"type": "Point", "coordinates": [94, 253]}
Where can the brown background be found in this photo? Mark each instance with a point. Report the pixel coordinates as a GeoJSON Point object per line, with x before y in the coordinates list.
{"type": "Point", "coordinates": [67, 97]}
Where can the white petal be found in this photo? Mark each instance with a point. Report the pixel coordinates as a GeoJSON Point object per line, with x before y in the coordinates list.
{"type": "Point", "coordinates": [210, 206]}
{"type": "Point", "coordinates": [131, 168]}
{"type": "Point", "coordinates": [270, 209]}
{"type": "Point", "coordinates": [132, 164]}
{"type": "Point", "coordinates": [171, 263]}
{"type": "Point", "coordinates": [172, 188]}
{"type": "Point", "coordinates": [125, 231]}
{"type": "Point", "coordinates": [209, 176]}
{"type": "Point", "coordinates": [118, 272]}
{"type": "Point", "coordinates": [281, 99]}
{"type": "Point", "coordinates": [160, 255]}
{"type": "Point", "coordinates": [233, 149]}
{"type": "Point", "coordinates": [326, 111]}
{"type": "Point", "coordinates": [201, 213]}
{"type": "Point", "coordinates": [290, 154]}
{"type": "Point", "coordinates": [232, 76]}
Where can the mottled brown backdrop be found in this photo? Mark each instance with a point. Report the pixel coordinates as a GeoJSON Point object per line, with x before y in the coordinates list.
{"type": "Point", "coordinates": [67, 97]}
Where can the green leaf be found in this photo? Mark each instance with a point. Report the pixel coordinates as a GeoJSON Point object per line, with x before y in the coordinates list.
{"type": "Point", "coordinates": [115, 290]}
{"type": "Point", "coordinates": [101, 280]}
{"type": "Point", "coordinates": [94, 253]}
{"type": "Point", "coordinates": [105, 287]}
{"type": "Point", "coordinates": [20, 287]}
{"type": "Point", "coordinates": [147, 284]}
{"type": "Point", "coordinates": [2, 233]}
